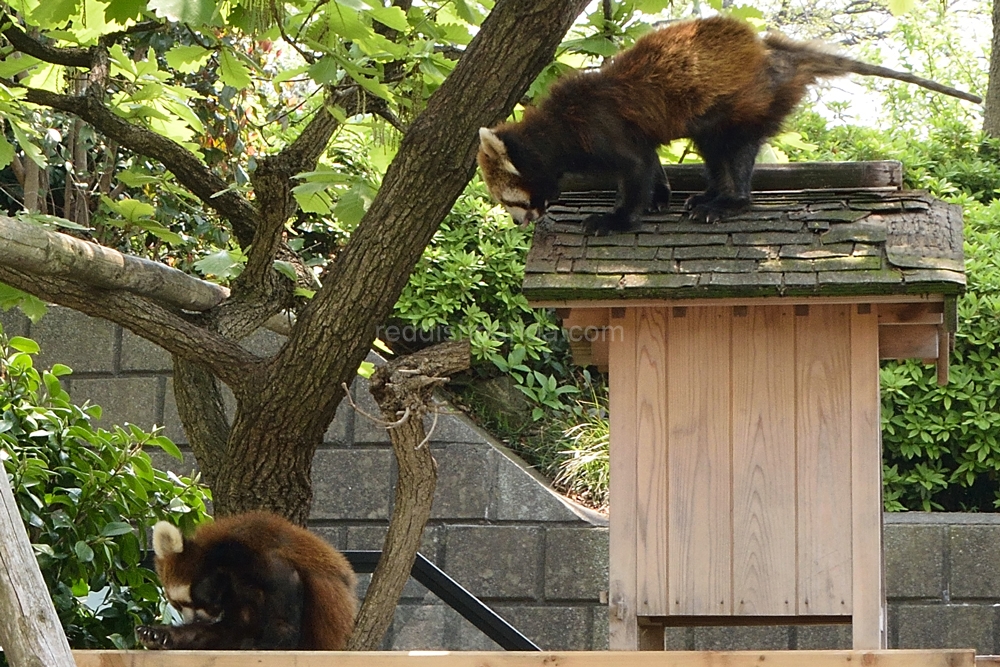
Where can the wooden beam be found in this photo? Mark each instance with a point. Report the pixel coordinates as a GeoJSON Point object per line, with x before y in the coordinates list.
{"type": "Point", "coordinates": [30, 632]}
{"type": "Point", "coordinates": [623, 624]}
{"type": "Point", "coordinates": [868, 570]}
{"type": "Point", "coordinates": [908, 658]}
{"type": "Point", "coordinates": [908, 341]}
{"type": "Point", "coordinates": [738, 301]}
{"type": "Point", "coordinates": [587, 331]}
{"type": "Point", "coordinates": [944, 355]}
{"type": "Point", "coordinates": [911, 313]}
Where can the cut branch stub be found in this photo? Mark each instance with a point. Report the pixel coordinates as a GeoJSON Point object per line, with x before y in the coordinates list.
{"type": "Point", "coordinates": [407, 382]}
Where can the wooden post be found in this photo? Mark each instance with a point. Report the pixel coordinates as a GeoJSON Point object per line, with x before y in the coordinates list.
{"type": "Point", "coordinates": [869, 626]}
{"type": "Point", "coordinates": [30, 632]}
{"type": "Point", "coordinates": [624, 629]}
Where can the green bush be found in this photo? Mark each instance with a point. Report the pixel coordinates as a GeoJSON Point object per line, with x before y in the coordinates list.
{"type": "Point", "coordinates": [941, 445]}
{"type": "Point", "coordinates": [468, 285]}
{"type": "Point", "coordinates": [87, 497]}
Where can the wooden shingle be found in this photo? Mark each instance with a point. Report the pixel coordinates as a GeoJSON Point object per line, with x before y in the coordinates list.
{"type": "Point", "coordinates": [862, 235]}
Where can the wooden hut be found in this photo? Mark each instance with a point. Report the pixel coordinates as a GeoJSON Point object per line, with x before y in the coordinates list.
{"type": "Point", "coordinates": [744, 359]}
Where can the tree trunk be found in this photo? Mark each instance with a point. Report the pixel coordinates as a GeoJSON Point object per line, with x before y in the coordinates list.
{"type": "Point", "coordinates": [991, 105]}
{"type": "Point", "coordinates": [403, 389]}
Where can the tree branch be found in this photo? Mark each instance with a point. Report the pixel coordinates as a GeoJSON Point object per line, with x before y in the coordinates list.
{"type": "Point", "coordinates": [405, 385]}
{"type": "Point", "coordinates": [190, 171]}
{"type": "Point", "coordinates": [225, 358]}
{"type": "Point", "coordinates": [273, 181]}
{"type": "Point", "coordinates": [31, 248]}
{"type": "Point", "coordinates": [68, 56]}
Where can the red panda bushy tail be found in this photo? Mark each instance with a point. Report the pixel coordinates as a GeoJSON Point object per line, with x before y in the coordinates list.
{"type": "Point", "coordinates": [821, 62]}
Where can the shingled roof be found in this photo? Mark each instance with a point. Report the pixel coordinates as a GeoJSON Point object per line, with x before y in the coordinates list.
{"type": "Point", "coordinates": [854, 233]}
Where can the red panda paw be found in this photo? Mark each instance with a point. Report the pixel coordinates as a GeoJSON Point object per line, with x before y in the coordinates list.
{"type": "Point", "coordinates": [154, 636]}
{"type": "Point", "coordinates": [702, 208]}
{"type": "Point", "coordinates": [603, 224]}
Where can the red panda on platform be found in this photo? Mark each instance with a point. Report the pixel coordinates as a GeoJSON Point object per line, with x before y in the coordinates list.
{"type": "Point", "coordinates": [252, 581]}
{"type": "Point", "coordinates": [713, 80]}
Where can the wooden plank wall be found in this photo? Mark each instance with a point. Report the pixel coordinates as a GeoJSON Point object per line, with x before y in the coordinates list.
{"type": "Point", "coordinates": [823, 450]}
{"type": "Point", "coordinates": [699, 513]}
{"type": "Point", "coordinates": [749, 419]}
{"type": "Point", "coordinates": [623, 631]}
{"type": "Point", "coordinates": [764, 518]}
{"type": "Point", "coordinates": [929, 658]}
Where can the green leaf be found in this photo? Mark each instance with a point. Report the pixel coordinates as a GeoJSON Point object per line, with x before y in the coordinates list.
{"type": "Point", "coordinates": [60, 369]}
{"type": "Point", "coordinates": [285, 268]}
{"type": "Point", "coordinates": [167, 445]}
{"type": "Point", "coordinates": [121, 11]}
{"type": "Point", "coordinates": [195, 12]}
{"type": "Point", "coordinates": [651, 6]}
{"type": "Point", "coordinates": [33, 152]}
{"type": "Point", "coordinates": [54, 13]}
{"type": "Point", "coordinates": [595, 46]}
{"type": "Point", "coordinates": [52, 221]}
{"type": "Point", "coordinates": [24, 344]}
{"type": "Point", "coordinates": [83, 552]}
{"type": "Point", "coordinates": [366, 369]}
{"type": "Point", "coordinates": [135, 179]}
{"type": "Point", "coordinates": [224, 264]}
{"type": "Point", "coordinates": [286, 74]}
{"type": "Point", "coordinates": [115, 528]}
{"type": "Point", "coordinates": [465, 12]}
{"type": "Point", "coordinates": [6, 152]}
{"type": "Point", "coordinates": [188, 59]}
{"type": "Point", "coordinates": [393, 17]}
{"type": "Point", "coordinates": [9, 67]}
{"type": "Point", "coordinates": [347, 22]}
{"type": "Point", "coordinates": [164, 234]}
{"type": "Point", "coordinates": [899, 7]}
{"type": "Point", "coordinates": [132, 210]}
{"type": "Point", "coordinates": [351, 206]}
{"type": "Point", "coordinates": [324, 71]}
{"type": "Point", "coordinates": [232, 71]}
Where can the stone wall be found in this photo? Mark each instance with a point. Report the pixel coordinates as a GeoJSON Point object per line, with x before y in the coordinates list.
{"type": "Point", "coordinates": [536, 558]}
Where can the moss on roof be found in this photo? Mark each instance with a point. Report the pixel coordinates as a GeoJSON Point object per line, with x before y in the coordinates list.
{"type": "Point", "coordinates": [863, 241]}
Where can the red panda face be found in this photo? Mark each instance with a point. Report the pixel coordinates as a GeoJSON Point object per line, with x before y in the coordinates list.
{"type": "Point", "coordinates": [504, 181]}
{"type": "Point", "coordinates": [197, 598]}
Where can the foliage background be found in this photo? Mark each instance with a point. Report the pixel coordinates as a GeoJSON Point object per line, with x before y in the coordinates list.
{"type": "Point", "coordinates": [88, 498]}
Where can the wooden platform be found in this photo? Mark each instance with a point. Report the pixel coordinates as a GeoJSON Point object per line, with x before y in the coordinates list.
{"type": "Point", "coordinates": [915, 658]}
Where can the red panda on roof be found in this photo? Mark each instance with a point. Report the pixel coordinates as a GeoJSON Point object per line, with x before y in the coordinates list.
{"type": "Point", "coordinates": [713, 80]}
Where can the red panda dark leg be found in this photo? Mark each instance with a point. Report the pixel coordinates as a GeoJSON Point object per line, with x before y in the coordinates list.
{"type": "Point", "coordinates": [661, 190]}
{"type": "Point", "coordinates": [729, 156]}
{"type": "Point", "coordinates": [640, 178]}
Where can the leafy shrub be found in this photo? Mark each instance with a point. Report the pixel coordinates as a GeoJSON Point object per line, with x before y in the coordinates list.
{"type": "Point", "coordinates": [941, 445]}
{"type": "Point", "coordinates": [87, 497]}
{"type": "Point", "coordinates": [468, 285]}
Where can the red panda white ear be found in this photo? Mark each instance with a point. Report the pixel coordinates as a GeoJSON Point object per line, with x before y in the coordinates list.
{"type": "Point", "coordinates": [491, 144]}
{"type": "Point", "coordinates": [494, 147]}
{"type": "Point", "coordinates": [167, 539]}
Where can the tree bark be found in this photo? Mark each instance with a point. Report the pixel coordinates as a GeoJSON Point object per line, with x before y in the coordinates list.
{"type": "Point", "coordinates": [991, 105]}
{"type": "Point", "coordinates": [403, 389]}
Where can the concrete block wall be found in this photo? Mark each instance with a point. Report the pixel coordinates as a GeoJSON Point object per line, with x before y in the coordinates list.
{"type": "Point", "coordinates": [496, 528]}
